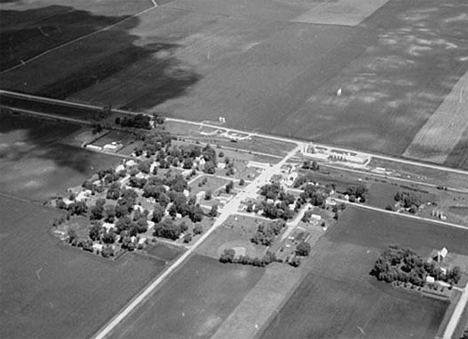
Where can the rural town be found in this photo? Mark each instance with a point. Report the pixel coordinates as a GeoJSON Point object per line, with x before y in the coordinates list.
{"type": "Point", "coordinates": [243, 170]}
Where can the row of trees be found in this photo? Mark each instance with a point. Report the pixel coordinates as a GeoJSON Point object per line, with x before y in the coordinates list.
{"type": "Point", "coordinates": [141, 121]}
{"type": "Point", "coordinates": [229, 256]}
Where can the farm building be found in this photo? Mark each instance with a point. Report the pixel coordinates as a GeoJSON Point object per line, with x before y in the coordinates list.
{"type": "Point", "coordinates": [440, 255]}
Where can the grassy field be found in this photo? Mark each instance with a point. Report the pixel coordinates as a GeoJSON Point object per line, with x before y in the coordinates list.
{"type": "Point", "coordinates": [338, 298]}
{"type": "Point", "coordinates": [236, 232]}
{"type": "Point", "coordinates": [193, 302]}
{"type": "Point", "coordinates": [36, 164]}
{"type": "Point", "coordinates": [272, 67]}
{"type": "Point", "coordinates": [50, 290]}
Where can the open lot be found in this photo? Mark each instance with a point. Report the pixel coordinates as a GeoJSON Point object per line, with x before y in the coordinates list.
{"type": "Point", "coordinates": [35, 164]}
{"type": "Point", "coordinates": [339, 298]}
{"type": "Point", "coordinates": [193, 302]}
{"type": "Point", "coordinates": [50, 290]}
{"type": "Point", "coordinates": [270, 66]}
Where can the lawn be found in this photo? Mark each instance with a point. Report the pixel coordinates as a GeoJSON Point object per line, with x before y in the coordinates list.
{"type": "Point", "coordinates": [213, 183]}
{"type": "Point", "coordinates": [36, 164]}
{"type": "Point", "coordinates": [264, 68]}
{"type": "Point", "coordinates": [50, 290]}
{"type": "Point", "coordinates": [193, 302]}
{"type": "Point", "coordinates": [338, 298]}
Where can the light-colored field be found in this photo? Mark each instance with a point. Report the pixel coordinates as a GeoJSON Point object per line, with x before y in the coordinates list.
{"type": "Point", "coordinates": [445, 128]}
{"type": "Point", "coordinates": [260, 303]}
{"type": "Point", "coordinates": [341, 12]}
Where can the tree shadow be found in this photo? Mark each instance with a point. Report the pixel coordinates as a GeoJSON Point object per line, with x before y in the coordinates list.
{"type": "Point", "coordinates": [78, 67]}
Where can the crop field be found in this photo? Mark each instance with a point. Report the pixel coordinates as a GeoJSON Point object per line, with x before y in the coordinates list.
{"type": "Point", "coordinates": [50, 290]}
{"type": "Point", "coordinates": [339, 299]}
{"type": "Point", "coordinates": [267, 66]}
{"type": "Point", "coordinates": [37, 28]}
{"type": "Point", "coordinates": [193, 302]}
{"type": "Point", "coordinates": [36, 164]}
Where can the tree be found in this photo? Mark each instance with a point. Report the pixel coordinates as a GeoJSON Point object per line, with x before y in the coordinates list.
{"type": "Point", "coordinates": [123, 224]}
{"type": "Point", "coordinates": [145, 166]}
{"type": "Point", "coordinates": [72, 237]}
{"type": "Point", "coordinates": [229, 186]}
{"type": "Point", "coordinates": [78, 208]}
{"type": "Point", "coordinates": [95, 231]}
{"type": "Point", "coordinates": [188, 163]}
{"type": "Point", "coordinates": [141, 225]}
{"type": "Point", "coordinates": [167, 229]}
{"type": "Point", "coordinates": [303, 249]}
{"type": "Point", "coordinates": [198, 229]}
{"type": "Point", "coordinates": [227, 256]}
{"type": "Point", "coordinates": [108, 237]}
{"type": "Point", "coordinates": [97, 212]}
{"type": "Point", "coordinates": [158, 213]}
{"type": "Point", "coordinates": [114, 191]}
{"type": "Point", "coordinates": [196, 213]}
{"type": "Point", "coordinates": [241, 182]}
{"type": "Point", "coordinates": [107, 252]}
{"type": "Point", "coordinates": [187, 238]}
{"type": "Point", "coordinates": [214, 211]}
{"type": "Point", "coordinates": [209, 167]}
{"type": "Point", "coordinates": [208, 195]}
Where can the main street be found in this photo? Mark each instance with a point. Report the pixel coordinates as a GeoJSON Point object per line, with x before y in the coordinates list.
{"type": "Point", "coordinates": [229, 209]}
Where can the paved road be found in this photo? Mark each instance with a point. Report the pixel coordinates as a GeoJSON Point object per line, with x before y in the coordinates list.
{"type": "Point", "coordinates": [266, 136]}
{"type": "Point", "coordinates": [229, 209]}
{"type": "Point", "coordinates": [402, 214]}
{"type": "Point", "coordinates": [456, 315]}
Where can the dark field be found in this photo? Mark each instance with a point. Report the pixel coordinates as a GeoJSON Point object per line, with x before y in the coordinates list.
{"type": "Point", "coordinates": [270, 66]}
{"type": "Point", "coordinates": [40, 27]}
{"type": "Point", "coordinates": [35, 164]}
{"type": "Point", "coordinates": [50, 290]}
{"type": "Point", "coordinates": [193, 303]}
{"type": "Point", "coordinates": [338, 298]}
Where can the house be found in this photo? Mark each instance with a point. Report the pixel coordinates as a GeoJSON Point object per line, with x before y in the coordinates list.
{"type": "Point", "coordinates": [316, 217]}
{"type": "Point", "coordinates": [112, 146]}
{"type": "Point", "coordinates": [130, 163]}
{"type": "Point", "coordinates": [94, 147]}
{"type": "Point", "coordinates": [430, 279]}
{"type": "Point", "coordinates": [119, 168]}
{"type": "Point", "coordinates": [440, 255]}
{"type": "Point", "coordinates": [108, 226]}
{"type": "Point", "coordinates": [97, 247]}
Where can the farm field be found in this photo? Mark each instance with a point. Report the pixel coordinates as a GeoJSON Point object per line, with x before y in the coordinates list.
{"type": "Point", "coordinates": [40, 27]}
{"type": "Point", "coordinates": [36, 164]}
{"type": "Point", "coordinates": [272, 67]}
{"type": "Point", "coordinates": [339, 298]}
{"type": "Point", "coordinates": [193, 302]}
{"type": "Point", "coordinates": [50, 290]}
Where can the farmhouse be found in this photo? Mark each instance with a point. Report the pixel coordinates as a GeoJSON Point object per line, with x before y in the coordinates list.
{"type": "Point", "coordinates": [440, 255]}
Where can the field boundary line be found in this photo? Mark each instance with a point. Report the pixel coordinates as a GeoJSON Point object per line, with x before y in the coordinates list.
{"type": "Point", "coordinates": [25, 62]}
{"type": "Point", "coordinates": [449, 224]}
